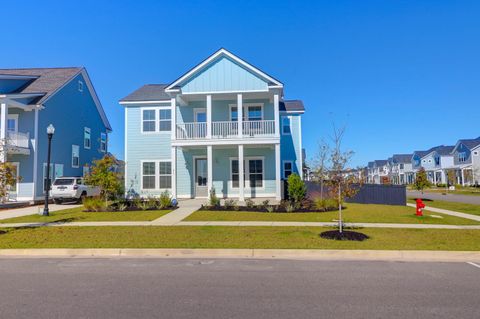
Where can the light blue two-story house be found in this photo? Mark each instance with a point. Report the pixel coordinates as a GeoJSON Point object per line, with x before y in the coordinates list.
{"type": "Point", "coordinates": [223, 125]}
{"type": "Point", "coordinates": [30, 100]}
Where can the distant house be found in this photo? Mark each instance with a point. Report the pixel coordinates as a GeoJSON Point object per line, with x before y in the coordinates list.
{"type": "Point", "coordinates": [30, 100]}
{"type": "Point", "coordinates": [222, 125]}
{"type": "Point", "coordinates": [401, 169]}
{"type": "Point", "coordinates": [465, 159]}
{"type": "Point", "coordinates": [380, 172]}
{"type": "Point", "coordinates": [436, 163]}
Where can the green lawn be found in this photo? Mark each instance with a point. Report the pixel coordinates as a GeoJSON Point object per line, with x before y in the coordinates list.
{"type": "Point", "coordinates": [459, 190]}
{"type": "Point", "coordinates": [234, 237]}
{"type": "Point", "coordinates": [352, 213]}
{"type": "Point", "coordinates": [76, 215]}
{"type": "Point", "coordinates": [458, 207]}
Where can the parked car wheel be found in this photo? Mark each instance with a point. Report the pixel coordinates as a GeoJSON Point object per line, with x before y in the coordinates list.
{"type": "Point", "coordinates": [82, 197]}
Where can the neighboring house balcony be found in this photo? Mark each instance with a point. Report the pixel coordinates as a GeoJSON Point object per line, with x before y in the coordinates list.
{"type": "Point", "coordinates": [17, 143]}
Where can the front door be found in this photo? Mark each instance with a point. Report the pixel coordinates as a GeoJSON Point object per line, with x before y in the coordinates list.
{"type": "Point", "coordinates": [201, 177]}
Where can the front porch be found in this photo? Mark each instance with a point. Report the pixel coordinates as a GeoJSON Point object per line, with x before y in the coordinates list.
{"type": "Point", "coordinates": [197, 170]}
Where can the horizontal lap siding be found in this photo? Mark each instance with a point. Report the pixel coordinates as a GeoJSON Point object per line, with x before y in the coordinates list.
{"type": "Point", "coordinates": [290, 148]}
{"type": "Point", "coordinates": [140, 146]}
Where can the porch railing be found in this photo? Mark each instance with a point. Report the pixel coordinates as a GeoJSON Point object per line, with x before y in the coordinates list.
{"type": "Point", "coordinates": [225, 129]}
{"type": "Point", "coordinates": [18, 139]}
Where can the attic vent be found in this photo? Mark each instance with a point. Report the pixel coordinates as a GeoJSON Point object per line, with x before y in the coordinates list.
{"type": "Point", "coordinates": [80, 86]}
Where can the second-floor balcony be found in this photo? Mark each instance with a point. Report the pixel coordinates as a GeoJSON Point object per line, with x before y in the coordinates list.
{"type": "Point", "coordinates": [225, 130]}
{"type": "Point", "coordinates": [17, 142]}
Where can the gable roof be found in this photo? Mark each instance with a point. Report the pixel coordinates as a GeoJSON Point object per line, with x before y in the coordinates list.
{"type": "Point", "coordinates": [292, 106]}
{"type": "Point", "coordinates": [424, 153]}
{"type": "Point", "coordinates": [381, 162]}
{"type": "Point", "coordinates": [44, 80]}
{"type": "Point", "coordinates": [148, 92]}
{"type": "Point", "coordinates": [217, 55]}
{"type": "Point", "coordinates": [402, 158]}
{"type": "Point", "coordinates": [48, 81]}
{"type": "Point", "coordinates": [470, 143]}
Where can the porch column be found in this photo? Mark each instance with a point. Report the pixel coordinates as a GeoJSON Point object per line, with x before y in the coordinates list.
{"type": "Point", "coordinates": [276, 107]}
{"type": "Point", "coordinates": [278, 188]}
{"type": "Point", "coordinates": [3, 132]}
{"type": "Point", "coordinates": [435, 177]}
{"type": "Point", "coordinates": [173, 105]}
{"type": "Point", "coordinates": [240, 115]}
{"type": "Point", "coordinates": [463, 177]}
{"type": "Point", "coordinates": [174, 171]}
{"type": "Point", "coordinates": [209, 168]}
{"type": "Point", "coordinates": [241, 183]}
{"type": "Point", "coordinates": [209, 116]}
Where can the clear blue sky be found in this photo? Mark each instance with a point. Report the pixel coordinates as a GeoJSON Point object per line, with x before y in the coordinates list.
{"type": "Point", "coordinates": [402, 75]}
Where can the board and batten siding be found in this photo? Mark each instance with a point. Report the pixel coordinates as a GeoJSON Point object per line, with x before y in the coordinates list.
{"type": "Point", "coordinates": [290, 144]}
{"type": "Point", "coordinates": [224, 75]}
{"type": "Point", "coordinates": [142, 147]}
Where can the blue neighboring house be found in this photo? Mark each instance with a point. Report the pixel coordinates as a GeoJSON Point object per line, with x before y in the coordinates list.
{"type": "Point", "coordinates": [222, 125]}
{"type": "Point", "coordinates": [30, 100]}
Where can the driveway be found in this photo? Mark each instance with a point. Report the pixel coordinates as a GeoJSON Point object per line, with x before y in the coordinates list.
{"type": "Point", "coordinates": [468, 199]}
{"type": "Point", "coordinates": [30, 210]}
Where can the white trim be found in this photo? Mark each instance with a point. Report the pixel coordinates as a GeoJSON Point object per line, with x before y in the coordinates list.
{"type": "Point", "coordinates": [78, 149]}
{"type": "Point", "coordinates": [227, 141]}
{"type": "Point", "coordinates": [276, 111]}
{"type": "Point", "coordinates": [301, 145]}
{"type": "Point", "coordinates": [292, 112]}
{"type": "Point", "coordinates": [245, 107]}
{"type": "Point", "coordinates": [241, 172]}
{"type": "Point", "coordinates": [209, 116]}
{"type": "Point", "coordinates": [215, 56]}
{"type": "Point", "coordinates": [283, 168]}
{"type": "Point", "coordinates": [35, 154]}
{"type": "Point", "coordinates": [209, 168]}
{"type": "Point", "coordinates": [143, 102]}
{"type": "Point", "coordinates": [247, 174]}
{"type": "Point", "coordinates": [278, 187]}
{"type": "Point", "coordinates": [125, 142]}
{"type": "Point", "coordinates": [106, 142]}
{"type": "Point", "coordinates": [223, 92]}
{"type": "Point", "coordinates": [12, 117]}
{"type": "Point", "coordinates": [157, 119]}
{"type": "Point", "coordinates": [174, 171]}
{"type": "Point", "coordinates": [87, 129]}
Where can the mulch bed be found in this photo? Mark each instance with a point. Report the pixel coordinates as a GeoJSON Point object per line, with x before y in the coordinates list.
{"type": "Point", "coordinates": [262, 209]}
{"type": "Point", "coordinates": [345, 235]}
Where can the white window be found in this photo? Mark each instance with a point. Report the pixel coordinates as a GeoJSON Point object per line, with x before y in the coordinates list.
{"type": "Point", "coordinates": [87, 142]}
{"type": "Point", "coordinates": [12, 123]}
{"type": "Point", "coordinates": [75, 156]}
{"type": "Point", "coordinates": [462, 157]}
{"type": "Point", "coordinates": [156, 120]}
{"type": "Point", "coordinates": [251, 112]}
{"type": "Point", "coordinates": [287, 169]}
{"type": "Point", "coordinates": [148, 117]}
{"type": "Point", "coordinates": [475, 153]}
{"type": "Point", "coordinates": [286, 125]}
{"type": "Point", "coordinates": [165, 175]}
{"type": "Point", "coordinates": [253, 172]}
{"type": "Point", "coordinates": [153, 171]}
{"type": "Point", "coordinates": [80, 86]}
{"type": "Point", "coordinates": [58, 170]}
{"type": "Point", "coordinates": [103, 142]}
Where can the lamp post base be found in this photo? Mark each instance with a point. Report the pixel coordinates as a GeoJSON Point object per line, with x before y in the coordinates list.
{"type": "Point", "coordinates": [45, 212]}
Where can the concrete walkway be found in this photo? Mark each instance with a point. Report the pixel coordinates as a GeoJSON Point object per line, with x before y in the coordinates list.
{"type": "Point", "coordinates": [468, 199]}
{"type": "Point", "coordinates": [31, 210]}
{"type": "Point", "coordinates": [186, 208]}
{"type": "Point", "coordinates": [449, 212]}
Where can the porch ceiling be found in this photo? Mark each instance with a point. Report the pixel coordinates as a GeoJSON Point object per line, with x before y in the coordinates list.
{"type": "Point", "coordinates": [228, 96]}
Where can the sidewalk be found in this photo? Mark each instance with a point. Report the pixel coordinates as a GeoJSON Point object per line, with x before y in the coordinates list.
{"type": "Point", "coordinates": [186, 208]}
{"type": "Point", "coordinates": [31, 210]}
{"type": "Point", "coordinates": [449, 212]}
{"type": "Point", "coordinates": [293, 254]}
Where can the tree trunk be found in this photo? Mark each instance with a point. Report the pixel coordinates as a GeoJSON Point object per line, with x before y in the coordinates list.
{"type": "Point", "coordinates": [340, 224]}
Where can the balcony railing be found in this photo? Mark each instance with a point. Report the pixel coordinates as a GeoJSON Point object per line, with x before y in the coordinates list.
{"type": "Point", "coordinates": [226, 130]}
{"type": "Point", "coordinates": [18, 139]}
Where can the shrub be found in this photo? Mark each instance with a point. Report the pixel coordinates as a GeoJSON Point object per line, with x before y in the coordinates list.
{"type": "Point", "coordinates": [297, 191]}
{"type": "Point", "coordinates": [230, 203]}
{"type": "Point", "coordinates": [213, 200]}
{"type": "Point", "coordinates": [122, 207]}
{"type": "Point", "coordinates": [270, 208]}
{"type": "Point", "coordinates": [325, 204]}
{"type": "Point", "coordinates": [290, 208]}
{"type": "Point", "coordinates": [151, 202]}
{"type": "Point", "coordinates": [144, 206]}
{"type": "Point", "coordinates": [249, 203]}
{"type": "Point", "coordinates": [94, 204]}
{"type": "Point", "coordinates": [136, 202]}
{"type": "Point", "coordinates": [165, 200]}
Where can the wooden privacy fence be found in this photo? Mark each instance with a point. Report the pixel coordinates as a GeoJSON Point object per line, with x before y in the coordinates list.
{"type": "Point", "coordinates": [367, 194]}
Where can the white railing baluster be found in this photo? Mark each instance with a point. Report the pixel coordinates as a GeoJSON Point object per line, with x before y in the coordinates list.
{"type": "Point", "coordinates": [225, 129]}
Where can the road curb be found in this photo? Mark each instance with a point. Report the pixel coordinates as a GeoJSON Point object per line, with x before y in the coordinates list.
{"type": "Point", "coordinates": [292, 254]}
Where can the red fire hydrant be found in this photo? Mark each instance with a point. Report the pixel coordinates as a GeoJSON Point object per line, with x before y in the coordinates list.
{"type": "Point", "coordinates": [420, 207]}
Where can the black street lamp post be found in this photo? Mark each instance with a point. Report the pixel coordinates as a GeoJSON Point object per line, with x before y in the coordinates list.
{"type": "Point", "coordinates": [50, 131]}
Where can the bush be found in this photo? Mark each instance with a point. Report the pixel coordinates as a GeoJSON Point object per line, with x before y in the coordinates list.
{"type": "Point", "coordinates": [94, 204]}
{"type": "Point", "coordinates": [297, 191]}
{"type": "Point", "coordinates": [136, 202]}
{"type": "Point", "coordinates": [249, 203]}
{"type": "Point", "coordinates": [152, 202]}
{"type": "Point", "coordinates": [270, 208]}
{"type": "Point", "coordinates": [121, 207]}
{"type": "Point", "coordinates": [213, 200]}
{"type": "Point", "coordinates": [165, 200]}
{"type": "Point", "coordinates": [144, 206]}
{"type": "Point", "coordinates": [325, 204]}
{"type": "Point", "coordinates": [230, 203]}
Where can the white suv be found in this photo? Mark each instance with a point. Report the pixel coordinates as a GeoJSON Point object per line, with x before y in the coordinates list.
{"type": "Point", "coordinates": [67, 189]}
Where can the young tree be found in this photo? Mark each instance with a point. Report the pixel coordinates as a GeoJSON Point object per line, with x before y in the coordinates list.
{"type": "Point", "coordinates": [341, 186]}
{"type": "Point", "coordinates": [421, 181]}
{"type": "Point", "coordinates": [297, 191]}
{"type": "Point", "coordinates": [103, 175]}
{"type": "Point", "coordinates": [320, 162]}
{"type": "Point", "coordinates": [8, 178]}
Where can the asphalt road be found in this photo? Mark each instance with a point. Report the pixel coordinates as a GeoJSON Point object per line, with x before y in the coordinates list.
{"type": "Point", "coordinates": [184, 288]}
{"type": "Point", "coordinates": [468, 199]}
